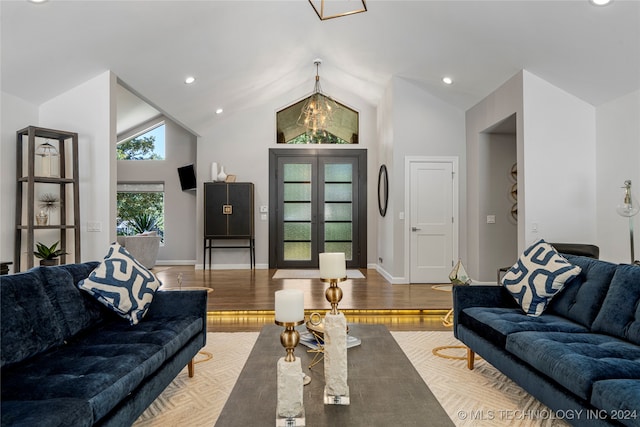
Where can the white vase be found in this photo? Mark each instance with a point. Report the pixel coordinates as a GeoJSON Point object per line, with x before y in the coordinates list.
{"type": "Point", "coordinates": [222, 176]}
{"type": "Point", "coordinates": [214, 171]}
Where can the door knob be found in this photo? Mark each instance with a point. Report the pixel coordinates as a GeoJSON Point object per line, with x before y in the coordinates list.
{"type": "Point", "coordinates": [415, 229]}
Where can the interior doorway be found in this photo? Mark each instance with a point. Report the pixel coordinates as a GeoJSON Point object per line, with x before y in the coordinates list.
{"type": "Point", "coordinates": [498, 198]}
{"type": "Point", "coordinates": [432, 223]}
{"type": "Point", "coordinates": [318, 204]}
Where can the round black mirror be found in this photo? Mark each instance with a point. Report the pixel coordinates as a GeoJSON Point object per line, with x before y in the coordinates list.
{"type": "Point", "coordinates": [383, 190]}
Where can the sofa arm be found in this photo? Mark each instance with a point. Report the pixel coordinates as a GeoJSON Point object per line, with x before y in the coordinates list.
{"type": "Point", "coordinates": [179, 303]}
{"type": "Point", "coordinates": [479, 296]}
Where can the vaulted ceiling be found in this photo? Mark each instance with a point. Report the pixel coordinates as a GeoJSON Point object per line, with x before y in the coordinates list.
{"type": "Point", "coordinates": [245, 52]}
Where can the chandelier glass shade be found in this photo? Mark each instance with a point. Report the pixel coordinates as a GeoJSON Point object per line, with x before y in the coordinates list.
{"type": "Point", "coordinates": [317, 112]}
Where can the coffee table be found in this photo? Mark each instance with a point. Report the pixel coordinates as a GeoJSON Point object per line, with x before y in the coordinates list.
{"type": "Point", "coordinates": [384, 387]}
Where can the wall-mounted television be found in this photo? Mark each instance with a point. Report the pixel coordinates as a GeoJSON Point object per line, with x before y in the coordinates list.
{"type": "Point", "coordinates": [187, 176]}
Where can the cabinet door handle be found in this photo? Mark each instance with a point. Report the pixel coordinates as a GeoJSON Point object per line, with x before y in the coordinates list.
{"type": "Point", "coordinates": [415, 229]}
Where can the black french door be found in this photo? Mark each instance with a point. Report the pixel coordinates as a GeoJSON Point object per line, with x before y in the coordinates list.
{"type": "Point", "coordinates": [318, 204]}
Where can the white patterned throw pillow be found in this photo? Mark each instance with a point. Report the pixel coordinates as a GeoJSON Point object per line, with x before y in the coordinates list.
{"type": "Point", "coordinates": [539, 274]}
{"type": "Point", "coordinates": [122, 284]}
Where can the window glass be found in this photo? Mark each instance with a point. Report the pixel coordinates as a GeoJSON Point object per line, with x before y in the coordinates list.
{"type": "Point", "coordinates": [140, 209]}
{"type": "Point", "coordinates": [148, 145]}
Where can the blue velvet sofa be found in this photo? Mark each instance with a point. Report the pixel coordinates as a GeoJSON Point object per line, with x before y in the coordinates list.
{"type": "Point", "coordinates": [67, 360]}
{"type": "Point", "coordinates": [581, 357]}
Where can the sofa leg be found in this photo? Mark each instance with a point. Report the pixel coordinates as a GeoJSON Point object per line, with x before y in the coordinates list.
{"type": "Point", "coordinates": [190, 368]}
{"type": "Point", "coordinates": [471, 355]}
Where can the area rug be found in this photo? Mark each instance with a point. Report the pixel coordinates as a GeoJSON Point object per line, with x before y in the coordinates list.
{"type": "Point", "coordinates": [310, 274]}
{"type": "Point", "coordinates": [482, 397]}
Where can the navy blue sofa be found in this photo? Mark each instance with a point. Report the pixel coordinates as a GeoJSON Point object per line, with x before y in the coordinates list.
{"type": "Point", "coordinates": [581, 357]}
{"type": "Point", "coordinates": [69, 361]}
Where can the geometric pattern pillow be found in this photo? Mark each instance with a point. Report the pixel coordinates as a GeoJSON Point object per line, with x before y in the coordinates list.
{"type": "Point", "coordinates": [122, 284]}
{"type": "Point", "coordinates": [539, 274]}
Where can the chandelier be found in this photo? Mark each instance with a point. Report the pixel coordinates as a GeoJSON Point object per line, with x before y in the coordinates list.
{"type": "Point", "coordinates": [317, 111]}
{"type": "Point", "coordinates": [328, 9]}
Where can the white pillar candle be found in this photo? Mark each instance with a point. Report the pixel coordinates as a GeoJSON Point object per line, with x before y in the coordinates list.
{"type": "Point", "coordinates": [289, 305]}
{"type": "Point", "coordinates": [332, 265]}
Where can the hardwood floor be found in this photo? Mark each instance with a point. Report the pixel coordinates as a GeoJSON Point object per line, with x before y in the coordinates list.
{"type": "Point", "coordinates": [243, 300]}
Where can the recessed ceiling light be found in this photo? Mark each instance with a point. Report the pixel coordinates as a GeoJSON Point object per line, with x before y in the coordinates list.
{"type": "Point", "coordinates": [447, 80]}
{"type": "Point", "coordinates": [600, 2]}
{"type": "Point", "coordinates": [38, 1]}
{"type": "Point", "coordinates": [189, 80]}
{"type": "Point", "coordinates": [219, 111]}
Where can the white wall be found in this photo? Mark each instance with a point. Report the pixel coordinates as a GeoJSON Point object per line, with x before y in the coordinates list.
{"type": "Point", "coordinates": [179, 206]}
{"type": "Point", "coordinates": [385, 255]}
{"type": "Point", "coordinates": [618, 159]}
{"type": "Point", "coordinates": [241, 141]}
{"type": "Point", "coordinates": [423, 125]}
{"type": "Point", "coordinates": [89, 109]}
{"type": "Point", "coordinates": [560, 162]}
{"type": "Point", "coordinates": [556, 153]}
{"type": "Point", "coordinates": [499, 105]}
{"type": "Point", "coordinates": [16, 115]}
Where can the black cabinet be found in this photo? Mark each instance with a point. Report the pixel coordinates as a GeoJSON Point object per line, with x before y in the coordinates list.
{"type": "Point", "coordinates": [229, 215]}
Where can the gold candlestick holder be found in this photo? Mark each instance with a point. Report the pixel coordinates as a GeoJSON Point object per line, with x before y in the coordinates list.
{"type": "Point", "coordinates": [334, 293]}
{"type": "Point", "coordinates": [289, 338]}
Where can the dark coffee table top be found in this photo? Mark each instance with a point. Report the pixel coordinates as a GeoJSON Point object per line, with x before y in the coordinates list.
{"type": "Point", "coordinates": [384, 387]}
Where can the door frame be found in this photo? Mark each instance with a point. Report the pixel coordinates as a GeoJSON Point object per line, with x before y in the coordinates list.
{"type": "Point", "coordinates": [360, 252]}
{"type": "Point", "coordinates": [408, 160]}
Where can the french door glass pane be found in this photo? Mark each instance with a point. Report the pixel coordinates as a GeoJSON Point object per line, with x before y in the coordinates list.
{"type": "Point", "coordinates": [337, 211]}
{"type": "Point", "coordinates": [338, 231]}
{"type": "Point", "coordinates": [337, 192]}
{"type": "Point", "coordinates": [297, 192]}
{"type": "Point", "coordinates": [297, 211]}
{"type": "Point", "coordinates": [297, 172]}
{"type": "Point", "coordinates": [297, 215]}
{"type": "Point", "coordinates": [338, 206]}
{"type": "Point", "coordinates": [297, 251]}
{"type": "Point", "coordinates": [345, 247]}
{"type": "Point", "coordinates": [297, 231]}
{"type": "Point", "coordinates": [338, 172]}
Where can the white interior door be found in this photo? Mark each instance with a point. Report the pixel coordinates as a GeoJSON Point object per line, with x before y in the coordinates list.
{"type": "Point", "coordinates": [431, 221]}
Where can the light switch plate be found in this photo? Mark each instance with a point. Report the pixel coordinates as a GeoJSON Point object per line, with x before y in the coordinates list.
{"type": "Point", "coordinates": [264, 209]}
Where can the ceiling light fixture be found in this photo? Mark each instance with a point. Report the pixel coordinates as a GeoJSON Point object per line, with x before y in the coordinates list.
{"type": "Point", "coordinates": [219, 111]}
{"type": "Point", "coordinates": [317, 111]}
{"type": "Point", "coordinates": [189, 80]}
{"type": "Point", "coordinates": [600, 2]}
{"type": "Point", "coordinates": [327, 9]}
{"type": "Point", "coordinates": [447, 80]}
{"type": "Point", "coordinates": [38, 1]}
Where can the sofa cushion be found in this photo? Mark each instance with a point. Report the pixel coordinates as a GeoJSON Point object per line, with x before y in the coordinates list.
{"type": "Point", "coordinates": [102, 365]}
{"type": "Point", "coordinates": [581, 298]}
{"type": "Point", "coordinates": [102, 375]}
{"type": "Point", "coordinates": [29, 322]}
{"type": "Point", "coordinates": [620, 312]}
{"type": "Point", "coordinates": [537, 276]}
{"type": "Point", "coordinates": [47, 413]}
{"type": "Point", "coordinates": [122, 284]}
{"type": "Point", "coordinates": [496, 323]}
{"type": "Point", "coordinates": [74, 307]}
{"type": "Point", "coordinates": [576, 361]}
{"type": "Point", "coordinates": [620, 399]}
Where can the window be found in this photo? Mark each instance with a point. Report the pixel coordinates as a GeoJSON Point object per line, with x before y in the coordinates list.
{"type": "Point", "coordinates": [140, 208]}
{"type": "Point", "coordinates": [145, 145]}
{"type": "Point", "coordinates": [343, 128]}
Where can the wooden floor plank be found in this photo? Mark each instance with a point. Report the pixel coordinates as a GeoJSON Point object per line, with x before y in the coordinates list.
{"type": "Point", "coordinates": [244, 299]}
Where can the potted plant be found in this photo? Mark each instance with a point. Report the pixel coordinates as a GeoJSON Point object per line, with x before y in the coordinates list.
{"type": "Point", "coordinates": [48, 254]}
{"type": "Point", "coordinates": [144, 222]}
